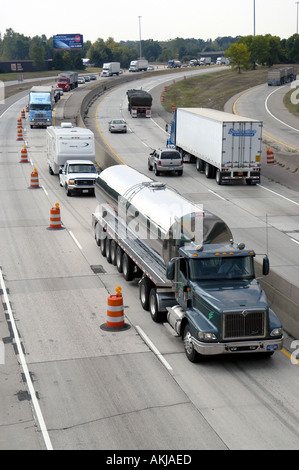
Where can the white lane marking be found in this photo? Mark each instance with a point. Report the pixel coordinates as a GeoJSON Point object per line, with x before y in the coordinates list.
{"type": "Point", "coordinates": [153, 348]}
{"type": "Point", "coordinates": [277, 194]}
{"type": "Point", "coordinates": [23, 363]}
{"type": "Point", "coordinates": [272, 115]}
{"type": "Point", "coordinates": [213, 192]}
{"type": "Point", "coordinates": [75, 240]}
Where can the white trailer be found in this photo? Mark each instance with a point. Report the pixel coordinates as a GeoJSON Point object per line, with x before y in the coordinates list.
{"type": "Point", "coordinates": [111, 68]}
{"type": "Point", "coordinates": [138, 65]}
{"type": "Point", "coordinates": [225, 146]}
{"type": "Point", "coordinates": [68, 143]}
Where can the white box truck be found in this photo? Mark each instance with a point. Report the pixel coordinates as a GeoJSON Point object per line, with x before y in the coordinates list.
{"type": "Point", "coordinates": [68, 143]}
{"type": "Point", "coordinates": [138, 65]}
{"type": "Point", "coordinates": [224, 145]}
{"type": "Point", "coordinates": [110, 68]}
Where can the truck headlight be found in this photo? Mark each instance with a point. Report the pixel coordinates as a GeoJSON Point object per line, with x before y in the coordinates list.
{"type": "Point", "coordinates": [71, 182]}
{"type": "Point", "coordinates": [276, 332]}
{"type": "Point", "coordinates": [207, 336]}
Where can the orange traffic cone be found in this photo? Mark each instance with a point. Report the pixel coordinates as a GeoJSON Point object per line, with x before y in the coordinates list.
{"type": "Point", "coordinates": [20, 134]}
{"type": "Point", "coordinates": [270, 156]}
{"type": "Point", "coordinates": [34, 179]}
{"type": "Point", "coordinates": [24, 155]}
{"type": "Point", "coordinates": [55, 221]}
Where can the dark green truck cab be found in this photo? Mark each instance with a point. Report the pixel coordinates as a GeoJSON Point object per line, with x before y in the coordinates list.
{"type": "Point", "coordinates": [221, 306]}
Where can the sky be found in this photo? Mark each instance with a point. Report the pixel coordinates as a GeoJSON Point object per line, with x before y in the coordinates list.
{"type": "Point", "coordinates": [160, 20]}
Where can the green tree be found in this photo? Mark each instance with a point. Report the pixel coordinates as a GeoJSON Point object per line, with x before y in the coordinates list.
{"type": "Point", "coordinates": [37, 54]}
{"type": "Point", "coordinates": [239, 56]}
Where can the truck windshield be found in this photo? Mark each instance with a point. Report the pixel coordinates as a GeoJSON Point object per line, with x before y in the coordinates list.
{"type": "Point", "coordinates": [82, 169]}
{"type": "Point", "coordinates": [222, 268]}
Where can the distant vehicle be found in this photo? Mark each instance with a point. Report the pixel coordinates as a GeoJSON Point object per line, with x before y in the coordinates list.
{"type": "Point", "coordinates": [110, 68]}
{"type": "Point", "coordinates": [81, 80]}
{"type": "Point", "coordinates": [165, 160]}
{"type": "Point", "coordinates": [86, 78]}
{"type": "Point", "coordinates": [138, 65]}
{"type": "Point", "coordinates": [139, 103]}
{"type": "Point", "coordinates": [92, 77]}
{"type": "Point", "coordinates": [67, 81]}
{"type": "Point", "coordinates": [117, 125]}
{"type": "Point", "coordinates": [66, 142]}
{"type": "Point", "coordinates": [41, 104]}
{"type": "Point", "coordinates": [281, 75]}
{"type": "Point", "coordinates": [78, 176]}
{"type": "Point", "coordinates": [174, 64]}
{"type": "Point", "coordinates": [194, 63]}
{"type": "Point", "coordinates": [151, 67]}
{"type": "Point", "coordinates": [205, 61]}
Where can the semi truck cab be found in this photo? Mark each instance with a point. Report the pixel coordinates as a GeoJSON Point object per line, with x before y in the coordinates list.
{"type": "Point", "coordinates": [221, 305]}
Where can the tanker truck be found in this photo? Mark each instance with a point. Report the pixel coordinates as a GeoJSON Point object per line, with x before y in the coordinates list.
{"type": "Point", "coordinates": [190, 270]}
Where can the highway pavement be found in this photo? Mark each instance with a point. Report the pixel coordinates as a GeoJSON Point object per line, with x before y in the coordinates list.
{"type": "Point", "coordinates": [132, 389]}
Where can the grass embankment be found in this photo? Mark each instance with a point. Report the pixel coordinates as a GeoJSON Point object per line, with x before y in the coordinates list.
{"type": "Point", "coordinates": [288, 102]}
{"type": "Point", "coordinates": [212, 90]}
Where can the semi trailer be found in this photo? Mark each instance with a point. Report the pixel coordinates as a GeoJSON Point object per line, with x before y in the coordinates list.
{"type": "Point", "coordinates": [191, 273]}
{"type": "Point", "coordinates": [223, 145]}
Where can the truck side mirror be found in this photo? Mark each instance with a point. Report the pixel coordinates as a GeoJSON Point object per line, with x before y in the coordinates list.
{"type": "Point", "coordinates": [170, 271]}
{"type": "Point", "coordinates": [266, 266]}
{"type": "Point", "coordinates": [166, 127]}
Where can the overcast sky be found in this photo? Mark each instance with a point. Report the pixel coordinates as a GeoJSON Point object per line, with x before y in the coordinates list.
{"type": "Point", "coordinates": [160, 19]}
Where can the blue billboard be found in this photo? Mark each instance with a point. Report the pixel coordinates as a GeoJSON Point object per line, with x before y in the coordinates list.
{"type": "Point", "coordinates": [68, 41]}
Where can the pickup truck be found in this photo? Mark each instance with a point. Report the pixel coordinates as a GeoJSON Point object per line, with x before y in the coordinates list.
{"type": "Point", "coordinates": [78, 176]}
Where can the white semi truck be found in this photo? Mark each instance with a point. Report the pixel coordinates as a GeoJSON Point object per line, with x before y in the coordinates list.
{"type": "Point", "coordinates": [224, 145]}
{"type": "Point", "coordinates": [65, 143]}
{"type": "Point", "coordinates": [110, 68]}
{"type": "Point", "coordinates": [138, 65]}
{"type": "Point", "coordinates": [189, 269]}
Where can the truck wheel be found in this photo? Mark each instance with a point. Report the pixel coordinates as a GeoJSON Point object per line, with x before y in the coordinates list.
{"type": "Point", "coordinates": [153, 307]}
{"type": "Point", "coordinates": [209, 170]}
{"type": "Point", "coordinates": [191, 354]}
{"type": "Point", "coordinates": [199, 164]}
{"type": "Point", "coordinates": [113, 246]}
{"type": "Point", "coordinates": [51, 171]}
{"type": "Point", "coordinates": [108, 249]}
{"type": "Point", "coordinates": [218, 176]}
{"type": "Point", "coordinates": [67, 191]}
{"type": "Point", "coordinates": [103, 246]}
{"type": "Point", "coordinates": [97, 234]}
{"type": "Point", "coordinates": [118, 259]}
{"type": "Point", "coordinates": [127, 267]}
{"type": "Point", "coordinates": [144, 292]}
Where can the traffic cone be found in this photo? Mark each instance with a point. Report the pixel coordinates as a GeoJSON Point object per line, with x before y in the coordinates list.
{"type": "Point", "coordinates": [162, 98]}
{"type": "Point", "coordinates": [165, 88]}
{"type": "Point", "coordinates": [20, 134]}
{"type": "Point", "coordinates": [115, 313]}
{"type": "Point", "coordinates": [24, 155]}
{"type": "Point", "coordinates": [55, 221]}
{"type": "Point", "coordinates": [270, 156]}
{"type": "Point", "coordinates": [19, 123]}
{"type": "Point", "coordinates": [34, 179]}
{"type": "Point", "coordinates": [173, 107]}
{"type": "Point", "coordinates": [23, 114]}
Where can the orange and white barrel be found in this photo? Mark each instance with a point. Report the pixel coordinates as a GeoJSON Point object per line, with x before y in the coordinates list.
{"type": "Point", "coordinates": [34, 183]}
{"type": "Point", "coordinates": [55, 221]}
{"type": "Point", "coordinates": [270, 156]}
{"type": "Point", "coordinates": [23, 114]}
{"type": "Point", "coordinates": [20, 134]}
{"type": "Point", "coordinates": [24, 155]}
{"type": "Point", "coordinates": [115, 310]}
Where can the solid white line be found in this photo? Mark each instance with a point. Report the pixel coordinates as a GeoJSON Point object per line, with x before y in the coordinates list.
{"type": "Point", "coordinates": [75, 240]}
{"type": "Point", "coordinates": [153, 348]}
{"type": "Point", "coordinates": [272, 115]}
{"type": "Point", "coordinates": [45, 191]}
{"type": "Point", "coordinates": [295, 241]}
{"type": "Point", "coordinates": [223, 198]}
{"type": "Point", "coordinates": [23, 363]}
{"type": "Point", "coordinates": [277, 194]}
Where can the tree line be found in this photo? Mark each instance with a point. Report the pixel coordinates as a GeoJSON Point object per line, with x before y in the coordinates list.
{"type": "Point", "coordinates": [266, 50]}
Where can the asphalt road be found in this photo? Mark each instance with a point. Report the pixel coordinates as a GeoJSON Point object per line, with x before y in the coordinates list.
{"type": "Point", "coordinates": [108, 390]}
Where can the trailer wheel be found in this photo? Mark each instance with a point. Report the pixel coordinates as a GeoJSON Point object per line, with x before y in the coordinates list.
{"type": "Point", "coordinates": [97, 234]}
{"type": "Point", "coordinates": [191, 354]}
{"type": "Point", "coordinates": [199, 164]}
{"type": "Point", "coordinates": [118, 258]}
{"type": "Point", "coordinates": [113, 246]}
{"type": "Point", "coordinates": [103, 246]}
{"type": "Point", "coordinates": [145, 287]}
{"type": "Point", "coordinates": [108, 249]}
{"type": "Point", "coordinates": [218, 176]}
{"type": "Point", "coordinates": [209, 170]}
{"type": "Point", "coordinates": [127, 267]}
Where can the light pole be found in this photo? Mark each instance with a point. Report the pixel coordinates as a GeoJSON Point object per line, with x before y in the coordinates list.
{"type": "Point", "coordinates": [297, 3]}
{"type": "Point", "coordinates": [140, 37]}
{"type": "Point", "coordinates": [253, 17]}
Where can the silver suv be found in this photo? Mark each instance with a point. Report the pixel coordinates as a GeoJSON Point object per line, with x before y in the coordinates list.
{"type": "Point", "coordinates": [162, 160]}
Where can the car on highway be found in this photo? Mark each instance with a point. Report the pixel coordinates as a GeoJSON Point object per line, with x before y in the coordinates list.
{"type": "Point", "coordinates": [117, 125]}
{"type": "Point", "coordinates": [87, 78]}
{"type": "Point", "coordinates": [165, 160]}
{"type": "Point", "coordinates": [92, 77]}
{"type": "Point", "coordinates": [81, 80]}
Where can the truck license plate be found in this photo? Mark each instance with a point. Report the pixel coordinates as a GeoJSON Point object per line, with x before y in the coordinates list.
{"type": "Point", "coordinates": [84, 190]}
{"type": "Point", "coordinates": [272, 347]}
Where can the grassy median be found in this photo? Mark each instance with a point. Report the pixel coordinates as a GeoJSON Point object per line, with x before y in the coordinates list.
{"type": "Point", "coordinates": [212, 90]}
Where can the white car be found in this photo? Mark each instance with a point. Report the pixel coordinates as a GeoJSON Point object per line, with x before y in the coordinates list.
{"type": "Point", "coordinates": [117, 125]}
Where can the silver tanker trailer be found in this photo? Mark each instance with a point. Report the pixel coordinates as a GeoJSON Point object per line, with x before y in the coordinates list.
{"type": "Point", "coordinates": [190, 269]}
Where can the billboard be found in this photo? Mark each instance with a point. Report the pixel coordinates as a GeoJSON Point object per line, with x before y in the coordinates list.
{"type": "Point", "coordinates": [68, 41]}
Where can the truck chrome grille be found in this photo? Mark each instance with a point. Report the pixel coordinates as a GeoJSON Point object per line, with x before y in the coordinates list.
{"type": "Point", "coordinates": [86, 182]}
{"type": "Point", "coordinates": [244, 324]}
